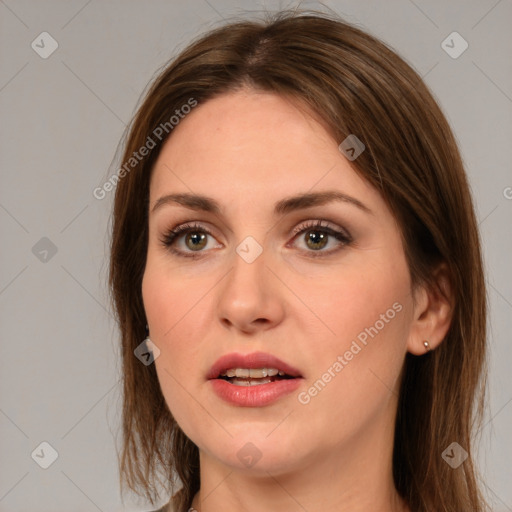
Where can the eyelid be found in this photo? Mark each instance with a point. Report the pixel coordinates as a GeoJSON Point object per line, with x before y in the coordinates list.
{"type": "Point", "coordinates": [321, 224]}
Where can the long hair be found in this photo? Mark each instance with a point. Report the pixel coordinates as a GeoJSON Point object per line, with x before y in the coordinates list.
{"type": "Point", "coordinates": [354, 84]}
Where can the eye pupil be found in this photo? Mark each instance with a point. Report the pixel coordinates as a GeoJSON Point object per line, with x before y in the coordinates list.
{"type": "Point", "coordinates": [198, 240]}
{"type": "Point", "coordinates": [316, 237]}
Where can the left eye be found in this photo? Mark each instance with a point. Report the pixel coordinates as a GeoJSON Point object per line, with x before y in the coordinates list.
{"type": "Point", "coordinates": [317, 237]}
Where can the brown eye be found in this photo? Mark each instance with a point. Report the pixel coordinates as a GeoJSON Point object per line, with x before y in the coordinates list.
{"type": "Point", "coordinates": [190, 239]}
{"type": "Point", "coordinates": [314, 236]}
{"type": "Point", "coordinates": [316, 239]}
{"type": "Point", "coordinates": [195, 240]}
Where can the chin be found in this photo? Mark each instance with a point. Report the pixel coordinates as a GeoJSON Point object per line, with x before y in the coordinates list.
{"type": "Point", "coordinates": [256, 452]}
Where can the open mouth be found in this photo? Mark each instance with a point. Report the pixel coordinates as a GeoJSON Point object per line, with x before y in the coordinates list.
{"type": "Point", "coordinates": [252, 369]}
{"type": "Point", "coordinates": [254, 381]}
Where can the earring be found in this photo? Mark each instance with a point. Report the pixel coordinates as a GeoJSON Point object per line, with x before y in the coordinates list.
{"type": "Point", "coordinates": [147, 340]}
{"type": "Point", "coordinates": [427, 346]}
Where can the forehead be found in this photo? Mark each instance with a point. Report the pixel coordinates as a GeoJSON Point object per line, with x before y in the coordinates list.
{"type": "Point", "coordinates": [252, 144]}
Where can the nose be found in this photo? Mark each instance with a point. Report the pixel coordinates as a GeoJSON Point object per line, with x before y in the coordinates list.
{"type": "Point", "coordinates": [251, 298]}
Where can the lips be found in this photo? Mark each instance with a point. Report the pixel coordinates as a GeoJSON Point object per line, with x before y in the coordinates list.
{"type": "Point", "coordinates": [253, 360]}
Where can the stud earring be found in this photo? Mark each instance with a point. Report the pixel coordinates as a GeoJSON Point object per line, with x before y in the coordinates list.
{"type": "Point", "coordinates": [427, 346]}
{"type": "Point", "coordinates": [146, 339]}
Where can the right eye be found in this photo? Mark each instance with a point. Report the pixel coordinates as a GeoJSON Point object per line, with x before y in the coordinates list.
{"type": "Point", "coordinates": [195, 239]}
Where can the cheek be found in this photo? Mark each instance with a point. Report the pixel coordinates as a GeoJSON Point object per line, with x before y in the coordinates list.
{"type": "Point", "coordinates": [174, 310]}
{"type": "Point", "coordinates": [369, 320]}
{"type": "Point", "coordinates": [174, 304]}
{"type": "Point", "coordinates": [362, 305]}
{"type": "Point", "coordinates": [178, 310]}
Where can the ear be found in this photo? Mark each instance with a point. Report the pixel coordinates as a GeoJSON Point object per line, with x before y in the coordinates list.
{"type": "Point", "coordinates": [433, 312]}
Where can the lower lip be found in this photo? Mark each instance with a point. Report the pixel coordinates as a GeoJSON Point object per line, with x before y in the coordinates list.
{"type": "Point", "coordinates": [254, 396]}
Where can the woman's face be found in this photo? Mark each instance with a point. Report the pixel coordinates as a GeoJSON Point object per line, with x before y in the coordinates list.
{"type": "Point", "coordinates": [332, 301]}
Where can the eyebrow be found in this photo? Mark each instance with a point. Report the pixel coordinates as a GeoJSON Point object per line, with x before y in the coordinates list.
{"type": "Point", "coordinates": [282, 207]}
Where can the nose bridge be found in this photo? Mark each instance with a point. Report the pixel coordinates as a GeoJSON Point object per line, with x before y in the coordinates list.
{"type": "Point", "coordinates": [249, 250]}
{"type": "Point", "coordinates": [249, 294]}
{"type": "Point", "coordinates": [249, 266]}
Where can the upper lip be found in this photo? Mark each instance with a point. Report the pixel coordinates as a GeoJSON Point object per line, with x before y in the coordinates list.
{"type": "Point", "coordinates": [253, 360]}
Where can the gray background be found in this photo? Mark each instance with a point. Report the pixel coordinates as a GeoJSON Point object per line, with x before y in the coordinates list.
{"type": "Point", "coordinates": [62, 118]}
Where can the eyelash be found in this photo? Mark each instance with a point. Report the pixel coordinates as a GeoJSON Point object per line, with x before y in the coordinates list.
{"type": "Point", "coordinates": [172, 235]}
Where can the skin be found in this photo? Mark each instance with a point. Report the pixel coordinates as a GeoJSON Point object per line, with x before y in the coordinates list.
{"type": "Point", "coordinates": [249, 150]}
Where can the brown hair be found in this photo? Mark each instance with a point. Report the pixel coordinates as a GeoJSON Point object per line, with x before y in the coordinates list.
{"type": "Point", "coordinates": [356, 85]}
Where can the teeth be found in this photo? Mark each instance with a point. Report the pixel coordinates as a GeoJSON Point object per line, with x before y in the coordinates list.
{"type": "Point", "coordinates": [248, 382]}
{"type": "Point", "coordinates": [256, 373]}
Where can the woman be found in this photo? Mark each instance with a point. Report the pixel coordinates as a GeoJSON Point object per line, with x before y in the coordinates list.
{"type": "Point", "coordinates": [293, 232]}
